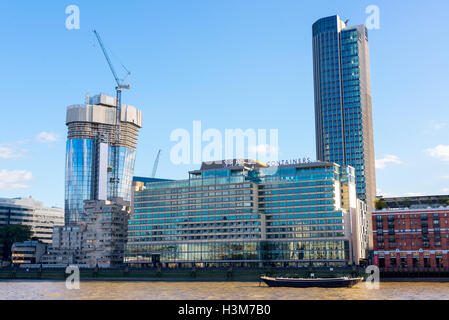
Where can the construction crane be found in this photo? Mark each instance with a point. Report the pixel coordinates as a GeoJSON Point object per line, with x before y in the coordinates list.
{"type": "Point", "coordinates": [120, 85]}
{"type": "Point", "coordinates": [156, 162]}
{"type": "Point", "coordinates": [119, 82]}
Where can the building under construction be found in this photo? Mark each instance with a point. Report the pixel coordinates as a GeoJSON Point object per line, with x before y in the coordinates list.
{"type": "Point", "coordinates": [100, 153]}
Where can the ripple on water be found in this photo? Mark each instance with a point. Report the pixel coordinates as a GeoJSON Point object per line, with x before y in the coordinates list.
{"type": "Point", "coordinates": [99, 290]}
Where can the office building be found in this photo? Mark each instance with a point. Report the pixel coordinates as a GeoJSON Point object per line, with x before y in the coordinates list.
{"type": "Point", "coordinates": [411, 239]}
{"type": "Point", "coordinates": [30, 212]}
{"type": "Point", "coordinates": [100, 153]}
{"type": "Point", "coordinates": [343, 110]}
{"type": "Point", "coordinates": [28, 252]}
{"type": "Point", "coordinates": [244, 213]}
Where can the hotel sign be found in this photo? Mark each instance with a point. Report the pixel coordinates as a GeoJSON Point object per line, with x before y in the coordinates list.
{"type": "Point", "coordinates": [277, 163]}
{"type": "Point", "coordinates": [280, 163]}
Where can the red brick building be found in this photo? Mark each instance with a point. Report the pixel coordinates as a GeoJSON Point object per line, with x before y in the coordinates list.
{"type": "Point", "coordinates": [411, 239]}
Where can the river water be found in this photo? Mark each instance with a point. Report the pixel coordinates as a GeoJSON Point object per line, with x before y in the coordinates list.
{"type": "Point", "coordinates": [100, 290]}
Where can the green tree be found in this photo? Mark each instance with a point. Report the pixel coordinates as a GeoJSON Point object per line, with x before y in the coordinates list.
{"type": "Point", "coordinates": [13, 233]}
{"type": "Point", "coordinates": [380, 204]}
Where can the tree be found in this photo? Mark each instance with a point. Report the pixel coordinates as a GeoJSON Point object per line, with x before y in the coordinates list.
{"type": "Point", "coordinates": [380, 204]}
{"type": "Point", "coordinates": [10, 234]}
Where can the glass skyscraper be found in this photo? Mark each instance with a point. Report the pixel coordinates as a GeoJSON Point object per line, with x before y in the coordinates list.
{"type": "Point", "coordinates": [93, 140]}
{"type": "Point", "coordinates": [343, 111]}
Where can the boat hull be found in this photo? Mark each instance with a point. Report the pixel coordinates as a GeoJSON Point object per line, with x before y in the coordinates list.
{"type": "Point", "coordinates": [308, 283]}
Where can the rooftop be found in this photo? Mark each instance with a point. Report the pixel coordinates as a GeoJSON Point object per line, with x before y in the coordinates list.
{"type": "Point", "coordinates": [27, 202]}
{"type": "Point", "coordinates": [414, 202]}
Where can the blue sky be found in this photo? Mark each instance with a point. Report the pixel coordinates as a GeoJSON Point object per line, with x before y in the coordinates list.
{"type": "Point", "coordinates": [231, 64]}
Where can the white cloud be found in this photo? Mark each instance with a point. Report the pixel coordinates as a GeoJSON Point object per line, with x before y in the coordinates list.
{"type": "Point", "coordinates": [445, 190]}
{"type": "Point", "coordinates": [445, 177]}
{"type": "Point", "coordinates": [15, 179]}
{"type": "Point", "coordinates": [388, 159]}
{"type": "Point", "coordinates": [7, 152]}
{"type": "Point", "coordinates": [439, 152]}
{"type": "Point", "coordinates": [47, 137]}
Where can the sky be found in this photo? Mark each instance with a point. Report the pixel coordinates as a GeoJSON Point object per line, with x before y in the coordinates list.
{"type": "Point", "coordinates": [229, 64]}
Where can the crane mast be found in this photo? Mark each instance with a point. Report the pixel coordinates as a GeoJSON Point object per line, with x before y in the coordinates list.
{"type": "Point", "coordinates": [156, 162]}
{"type": "Point", "coordinates": [115, 180]}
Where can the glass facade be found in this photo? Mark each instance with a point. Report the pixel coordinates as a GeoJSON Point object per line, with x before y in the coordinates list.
{"type": "Point", "coordinates": [81, 178]}
{"type": "Point", "coordinates": [127, 159]}
{"type": "Point", "coordinates": [79, 184]}
{"type": "Point", "coordinates": [234, 252]}
{"type": "Point", "coordinates": [288, 214]}
{"type": "Point", "coordinates": [343, 100]}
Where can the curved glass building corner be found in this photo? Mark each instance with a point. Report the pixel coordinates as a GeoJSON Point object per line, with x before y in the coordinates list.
{"type": "Point", "coordinates": [93, 139]}
{"type": "Point", "coordinates": [81, 180]}
{"type": "Point", "coordinates": [78, 177]}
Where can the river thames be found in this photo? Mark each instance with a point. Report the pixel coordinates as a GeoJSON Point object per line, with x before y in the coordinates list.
{"type": "Point", "coordinates": [144, 290]}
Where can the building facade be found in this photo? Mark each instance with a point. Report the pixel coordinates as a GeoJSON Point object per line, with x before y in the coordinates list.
{"type": "Point", "coordinates": [99, 241]}
{"type": "Point", "coordinates": [28, 252]}
{"type": "Point", "coordinates": [249, 214]}
{"type": "Point", "coordinates": [343, 109]}
{"type": "Point", "coordinates": [100, 153]}
{"type": "Point", "coordinates": [67, 246]}
{"type": "Point", "coordinates": [410, 239]}
{"type": "Point", "coordinates": [105, 236]}
{"type": "Point", "coordinates": [30, 212]}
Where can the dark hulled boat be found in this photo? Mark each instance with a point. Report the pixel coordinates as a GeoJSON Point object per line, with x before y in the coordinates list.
{"type": "Point", "coordinates": [311, 282]}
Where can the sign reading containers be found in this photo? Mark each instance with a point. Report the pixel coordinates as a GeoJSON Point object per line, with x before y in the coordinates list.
{"type": "Point", "coordinates": [288, 162]}
{"type": "Point", "coordinates": [278, 163]}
